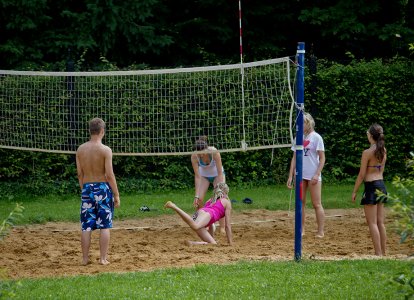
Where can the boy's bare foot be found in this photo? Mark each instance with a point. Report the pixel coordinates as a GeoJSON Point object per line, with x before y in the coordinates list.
{"type": "Point", "coordinates": [320, 235]}
{"type": "Point", "coordinates": [104, 262]}
{"type": "Point", "coordinates": [86, 262]}
{"type": "Point", "coordinates": [168, 204]}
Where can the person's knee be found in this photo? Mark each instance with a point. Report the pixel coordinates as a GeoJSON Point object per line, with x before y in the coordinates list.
{"type": "Point", "coordinates": [196, 226]}
{"type": "Point", "coordinates": [381, 224]}
{"type": "Point", "coordinates": [373, 225]}
{"type": "Point", "coordinates": [317, 205]}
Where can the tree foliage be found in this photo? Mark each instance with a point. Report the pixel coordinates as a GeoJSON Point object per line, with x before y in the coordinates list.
{"type": "Point", "coordinates": [361, 26]}
{"type": "Point", "coordinates": [402, 208]}
{"type": "Point", "coordinates": [39, 33]}
{"type": "Point", "coordinates": [403, 204]}
{"type": "Point", "coordinates": [8, 223]}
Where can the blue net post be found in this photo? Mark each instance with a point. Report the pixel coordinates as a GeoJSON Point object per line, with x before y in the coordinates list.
{"type": "Point", "coordinates": [300, 92]}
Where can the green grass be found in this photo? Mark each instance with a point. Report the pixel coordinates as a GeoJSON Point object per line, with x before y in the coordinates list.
{"type": "Point", "coordinates": [66, 208]}
{"type": "Point", "coordinates": [363, 279]}
{"type": "Point", "coordinates": [347, 279]}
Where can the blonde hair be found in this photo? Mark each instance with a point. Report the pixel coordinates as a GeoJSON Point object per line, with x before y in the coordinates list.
{"type": "Point", "coordinates": [220, 191]}
{"type": "Point", "coordinates": [307, 118]}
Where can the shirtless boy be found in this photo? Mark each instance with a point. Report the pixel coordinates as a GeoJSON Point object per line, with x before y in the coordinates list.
{"type": "Point", "coordinates": [99, 190]}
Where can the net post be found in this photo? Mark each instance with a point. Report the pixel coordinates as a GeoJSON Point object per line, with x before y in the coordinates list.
{"type": "Point", "coordinates": [299, 148]}
{"type": "Point", "coordinates": [244, 145]}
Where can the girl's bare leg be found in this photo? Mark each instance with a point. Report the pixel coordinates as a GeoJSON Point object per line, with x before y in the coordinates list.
{"type": "Point", "coordinates": [205, 236]}
{"type": "Point", "coordinates": [198, 226]}
{"type": "Point", "coordinates": [104, 238]}
{"type": "Point", "coordinates": [203, 186]}
{"type": "Point", "coordinates": [212, 229]}
{"type": "Point", "coordinates": [381, 227]}
{"type": "Point", "coordinates": [85, 243]}
{"type": "Point", "coordinates": [222, 223]}
{"type": "Point", "coordinates": [371, 217]}
{"type": "Point", "coordinates": [304, 190]}
{"type": "Point", "coordinates": [316, 197]}
{"type": "Point", "coordinates": [190, 243]}
{"type": "Point", "coordinates": [201, 221]}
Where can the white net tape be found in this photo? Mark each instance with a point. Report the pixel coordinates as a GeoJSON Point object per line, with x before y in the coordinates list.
{"type": "Point", "coordinates": [151, 112]}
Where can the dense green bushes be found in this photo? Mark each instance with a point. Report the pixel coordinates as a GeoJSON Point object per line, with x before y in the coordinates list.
{"type": "Point", "coordinates": [349, 98]}
{"type": "Point", "coordinates": [42, 173]}
{"type": "Point", "coordinates": [346, 100]}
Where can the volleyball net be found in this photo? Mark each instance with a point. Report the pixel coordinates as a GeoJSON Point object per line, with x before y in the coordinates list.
{"type": "Point", "coordinates": [150, 112]}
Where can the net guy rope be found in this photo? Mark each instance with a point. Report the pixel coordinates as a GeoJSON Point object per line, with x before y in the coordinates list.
{"type": "Point", "coordinates": [150, 112]}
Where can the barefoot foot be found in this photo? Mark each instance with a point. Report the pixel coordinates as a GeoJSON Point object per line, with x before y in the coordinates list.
{"type": "Point", "coordinates": [103, 262]}
{"type": "Point", "coordinates": [168, 204]}
{"type": "Point", "coordinates": [192, 243]}
{"type": "Point", "coordinates": [320, 235]}
{"type": "Point", "coordinates": [86, 262]}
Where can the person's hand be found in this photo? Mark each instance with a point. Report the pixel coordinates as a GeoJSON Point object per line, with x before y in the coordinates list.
{"type": "Point", "coordinates": [117, 201]}
{"type": "Point", "coordinates": [220, 178]}
{"type": "Point", "coordinates": [315, 179]}
{"type": "Point", "coordinates": [289, 183]}
{"type": "Point", "coordinates": [196, 202]}
{"type": "Point", "coordinates": [354, 197]}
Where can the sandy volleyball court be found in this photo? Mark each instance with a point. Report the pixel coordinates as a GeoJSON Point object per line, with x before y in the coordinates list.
{"type": "Point", "coordinates": [54, 249]}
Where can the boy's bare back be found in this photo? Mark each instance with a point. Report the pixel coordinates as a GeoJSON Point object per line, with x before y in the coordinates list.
{"type": "Point", "coordinates": [92, 158]}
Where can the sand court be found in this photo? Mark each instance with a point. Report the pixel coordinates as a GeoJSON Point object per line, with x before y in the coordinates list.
{"type": "Point", "coordinates": [53, 249]}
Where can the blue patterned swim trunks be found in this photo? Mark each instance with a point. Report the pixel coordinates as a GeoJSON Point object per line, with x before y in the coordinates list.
{"type": "Point", "coordinates": [97, 206]}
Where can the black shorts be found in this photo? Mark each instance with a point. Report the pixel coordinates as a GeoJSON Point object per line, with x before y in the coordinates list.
{"type": "Point", "coordinates": [370, 195]}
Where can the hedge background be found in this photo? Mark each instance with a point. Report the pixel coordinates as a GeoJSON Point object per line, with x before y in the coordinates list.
{"type": "Point", "coordinates": [345, 99]}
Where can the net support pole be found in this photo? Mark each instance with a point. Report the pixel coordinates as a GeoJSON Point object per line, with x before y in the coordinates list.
{"type": "Point", "coordinates": [243, 142]}
{"type": "Point", "coordinates": [299, 148]}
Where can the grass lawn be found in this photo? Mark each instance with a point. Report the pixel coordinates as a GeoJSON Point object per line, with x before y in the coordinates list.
{"type": "Point", "coordinates": [358, 279]}
{"type": "Point", "coordinates": [66, 208]}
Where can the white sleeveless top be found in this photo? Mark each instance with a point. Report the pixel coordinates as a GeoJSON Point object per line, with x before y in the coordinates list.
{"type": "Point", "coordinates": [209, 170]}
